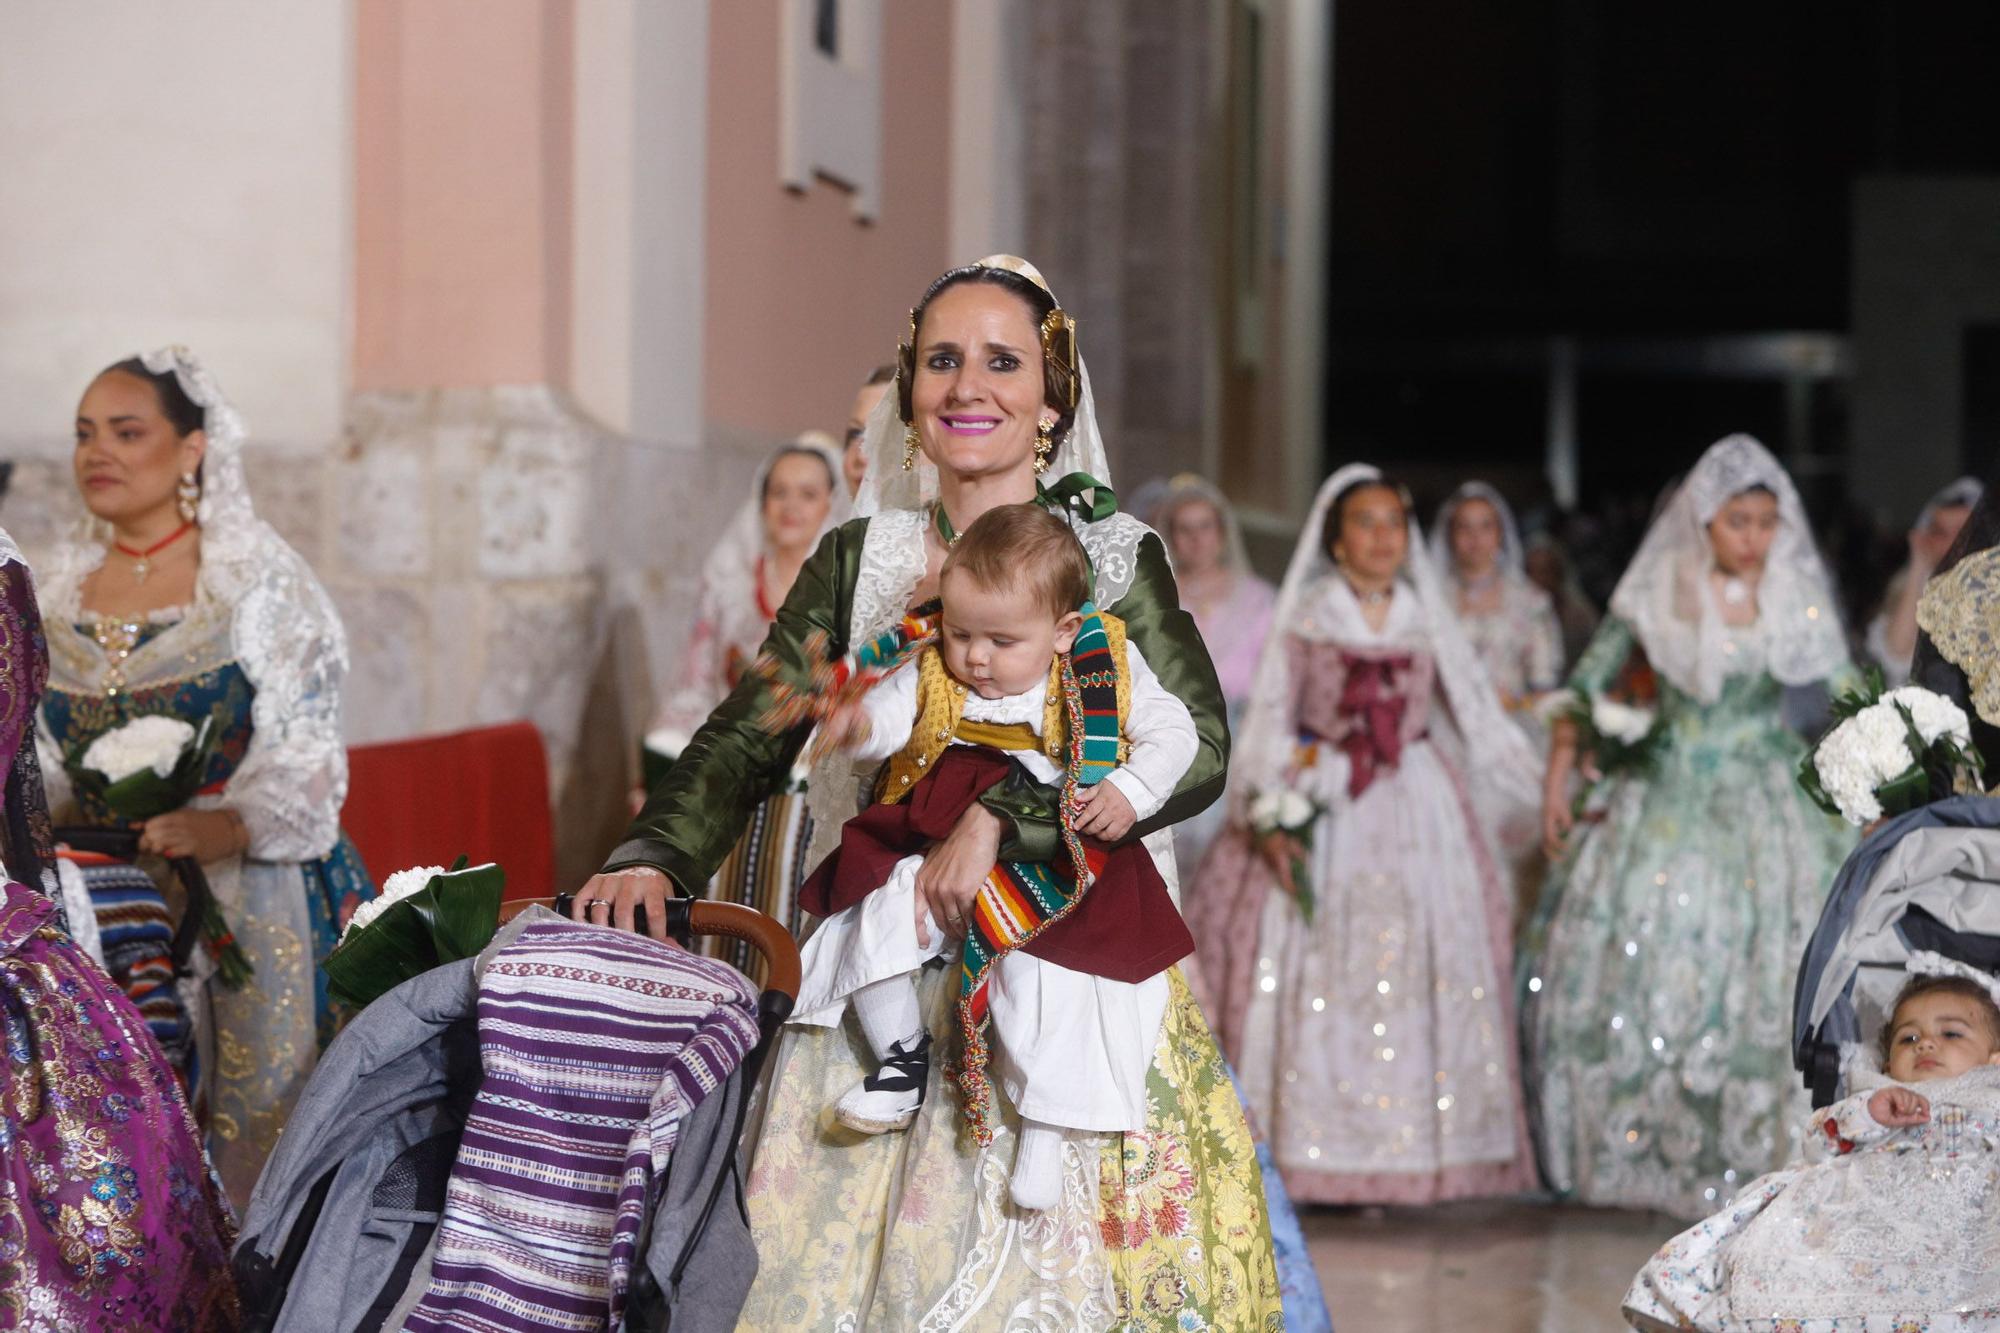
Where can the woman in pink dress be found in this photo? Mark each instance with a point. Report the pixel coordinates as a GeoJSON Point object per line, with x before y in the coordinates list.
{"type": "Point", "coordinates": [1359, 967]}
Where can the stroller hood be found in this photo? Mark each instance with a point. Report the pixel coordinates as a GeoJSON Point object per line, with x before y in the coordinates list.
{"type": "Point", "coordinates": [1928, 879]}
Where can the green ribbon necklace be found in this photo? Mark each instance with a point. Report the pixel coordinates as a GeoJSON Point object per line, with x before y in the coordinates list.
{"type": "Point", "coordinates": [1066, 496]}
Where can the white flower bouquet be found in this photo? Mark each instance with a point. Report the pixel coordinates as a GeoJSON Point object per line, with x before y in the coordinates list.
{"type": "Point", "coordinates": [152, 765]}
{"type": "Point", "coordinates": [1292, 813]}
{"type": "Point", "coordinates": [149, 766]}
{"type": "Point", "coordinates": [1619, 736]}
{"type": "Point", "coordinates": [1889, 753]}
{"type": "Point", "coordinates": [425, 917]}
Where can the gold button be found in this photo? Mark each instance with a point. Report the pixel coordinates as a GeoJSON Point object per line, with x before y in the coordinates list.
{"type": "Point", "coordinates": [944, 735]}
{"type": "Point", "coordinates": [906, 779]}
{"type": "Point", "coordinates": [921, 761]}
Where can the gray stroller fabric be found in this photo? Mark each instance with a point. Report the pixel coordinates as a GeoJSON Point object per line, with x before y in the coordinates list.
{"type": "Point", "coordinates": [1942, 859]}
{"type": "Point", "coordinates": [386, 1102]}
{"type": "Point", "coordinates": [375, 1134]}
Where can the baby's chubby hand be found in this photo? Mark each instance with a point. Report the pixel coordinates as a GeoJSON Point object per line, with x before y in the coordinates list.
{"type": "Point", "coordinates": [844, 729]}
{"type": "Point", "coordinates": [1102, 812]}
{"type": "Point", "coordinates": [1899, 1108]}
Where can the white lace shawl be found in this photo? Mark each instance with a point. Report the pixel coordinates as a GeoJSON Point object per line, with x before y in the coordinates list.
{"type": "Point", "coordinates": [1667, 598]}
{"type": "Point", "coordinates": [1495, 754]}
{"type": "Point", "coordinates": [257, 603]}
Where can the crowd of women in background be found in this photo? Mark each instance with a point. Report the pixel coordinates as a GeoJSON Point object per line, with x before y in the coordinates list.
{"type": "Point", "coordinates": [1362, 957]}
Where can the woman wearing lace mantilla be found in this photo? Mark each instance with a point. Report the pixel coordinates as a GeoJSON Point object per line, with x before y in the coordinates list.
{"type": "Point", "coordinates": [1512, 626]}
{"type": "Point", "coordinates": [793, 503]}
{"type": "Point", "coordinates": [1892, 634]}
{"type": "Point", "coordinates": [1231, 607]}
{"type": "Point", "coordinates": [1511, 623]}
{"type": "Point", "coordinates": [1360, 962]}
{"type": "Point", "coordinates": [109, 1217]}
{"type": "Point", "coordinates": [1659, 965]}
{"type": "Point", "coordinates": [1162, 1229]}
{"type": "Point", "coordinates": [1958, 616]}
{"type": "Point", "coordinates": [195, 609]}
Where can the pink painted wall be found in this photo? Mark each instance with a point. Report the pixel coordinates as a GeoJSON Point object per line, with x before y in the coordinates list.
{"type": "Point", "coordinates": [803, 300]}
{"type": "Point", "coordinates": [462, 179]}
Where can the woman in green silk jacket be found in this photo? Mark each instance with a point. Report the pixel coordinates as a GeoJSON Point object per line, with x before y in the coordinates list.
{"type": "Point", "coordinates": [1155, 1229]}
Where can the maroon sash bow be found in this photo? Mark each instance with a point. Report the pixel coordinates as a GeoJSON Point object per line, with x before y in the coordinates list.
{"type": "Point", "coordinates": [1373, 708]}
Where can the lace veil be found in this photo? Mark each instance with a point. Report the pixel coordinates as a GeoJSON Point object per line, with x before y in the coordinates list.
{"type": "Point", "coordinates": [1667, 598]}
{"type": "Point", "coordinates": [1496, 754]}
{"type": "Point", "coordinates": [258, 603]}
{"type": "Point", "coordinates": [1513, 555]}
{"type": "Point", "coordinates": [1188, 488]}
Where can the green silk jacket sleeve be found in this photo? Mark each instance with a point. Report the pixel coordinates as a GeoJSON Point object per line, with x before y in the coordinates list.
{"type": "Point", "coordinates": [698, 809]}
{"type": "Point", "coordinates": [1173, 647]}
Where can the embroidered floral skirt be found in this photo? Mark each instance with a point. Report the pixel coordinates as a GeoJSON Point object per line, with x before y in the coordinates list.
{"type": "Point", "coordinates": [109, 1217]}
{"type": "Point", "coordinates": [1162, 1230]}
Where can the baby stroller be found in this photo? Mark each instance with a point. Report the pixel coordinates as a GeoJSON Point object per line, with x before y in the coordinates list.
{"type": "Point", "coordinates": [348, 1207]}
{"type": "Point", "coordinates": [1926, 880]}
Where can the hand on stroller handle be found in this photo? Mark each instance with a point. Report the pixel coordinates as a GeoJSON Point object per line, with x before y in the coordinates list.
{"type": "Point", "coordinates": [688, 917]}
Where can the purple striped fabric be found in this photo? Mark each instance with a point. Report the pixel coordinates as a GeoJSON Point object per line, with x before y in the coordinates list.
{"type": "Point", "coordinates": [595, 1045]}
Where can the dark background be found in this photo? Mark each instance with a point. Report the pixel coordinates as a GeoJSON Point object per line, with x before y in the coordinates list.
{"type": "Point", "coordinates": [1667, 187]}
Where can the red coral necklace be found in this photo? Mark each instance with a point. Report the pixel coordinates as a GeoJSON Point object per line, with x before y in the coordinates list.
{"type": "Point", "coordinates": [142, 561]}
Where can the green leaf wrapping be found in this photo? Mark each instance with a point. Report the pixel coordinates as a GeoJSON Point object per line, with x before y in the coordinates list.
{"type": "Point", "coordinates": [452, 917]}
{"type": "Point", "coordinates": [1302, 881]}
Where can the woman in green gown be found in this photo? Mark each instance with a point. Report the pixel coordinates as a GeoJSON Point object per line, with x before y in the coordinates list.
{"type": "Point", "coordinates": [1166, 1229]}
{"type": "Point", "coordinates": [1659, 967]}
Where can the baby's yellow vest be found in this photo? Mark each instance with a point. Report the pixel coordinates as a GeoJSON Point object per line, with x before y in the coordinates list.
{"type": "Point", "coordinates": [941, 709]}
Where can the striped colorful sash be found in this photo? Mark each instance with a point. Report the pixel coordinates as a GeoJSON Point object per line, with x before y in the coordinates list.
{"type": "Point", "coordinates": [1021, 899]}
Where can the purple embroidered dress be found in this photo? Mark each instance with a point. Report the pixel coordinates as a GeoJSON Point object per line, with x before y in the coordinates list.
{"type": "Point", "coordinates": [109, 1216]}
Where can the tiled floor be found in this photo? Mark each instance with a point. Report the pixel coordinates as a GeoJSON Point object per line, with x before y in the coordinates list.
{"type": "Point", "coordinates": [1489, 1267]}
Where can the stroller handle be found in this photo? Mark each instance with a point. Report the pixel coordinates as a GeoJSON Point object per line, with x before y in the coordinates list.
{"type": "Point", "coordinates": [687, 917]}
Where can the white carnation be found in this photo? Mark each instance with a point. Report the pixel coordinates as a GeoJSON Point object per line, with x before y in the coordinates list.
{"type": "Point", "coordinates": [1294, 810]}
{"type": "Point", "coordinates": [154, 741]}
{"type": "Point", "coordinates": [1872, 748]}
{"type": "Point", "coordinates": [1934, 715]}
{"type": "Point", "coordinates": [400, 885]}
{"type": "Point", "coordinates": [1621, 722]}
{"type": "Point", "coordinates": [1264, 810]}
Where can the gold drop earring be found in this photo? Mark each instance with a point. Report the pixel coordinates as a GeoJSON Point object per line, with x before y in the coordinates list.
{"type": "Point", "coordinates": [913, 443]}
{"type": "Point", "coordinates": [1044, 446]}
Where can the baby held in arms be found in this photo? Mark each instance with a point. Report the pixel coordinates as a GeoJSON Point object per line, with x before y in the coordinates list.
{"type": "Point", "coordinates": [1893, 1221]}
{"type": "Point", "coordinates": [1017, 682]}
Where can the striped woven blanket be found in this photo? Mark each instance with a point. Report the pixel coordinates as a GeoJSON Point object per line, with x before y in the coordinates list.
{"type": "Point", "coordinates": [595, 1045]}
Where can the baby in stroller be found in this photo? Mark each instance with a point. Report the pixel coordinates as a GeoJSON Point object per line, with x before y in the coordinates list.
{"type": "Point", "coordinates": [1890, 1222]}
